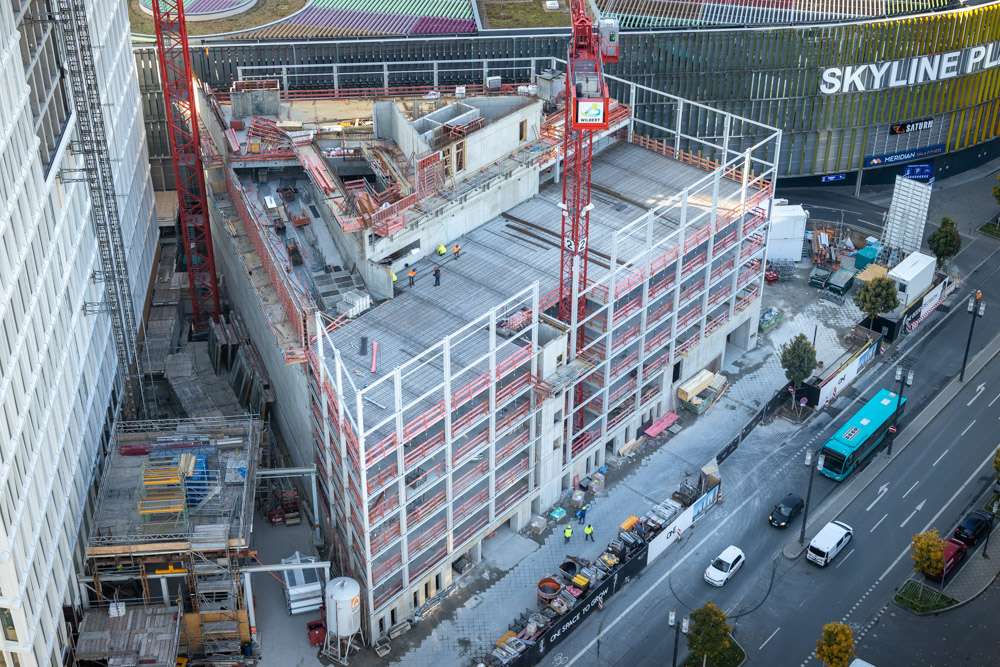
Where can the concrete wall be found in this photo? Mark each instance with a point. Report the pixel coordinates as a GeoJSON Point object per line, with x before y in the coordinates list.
{"type": "Point", "coordinates": [391, 123]}
{"type": "Point", "coordinates": [500, 137]}
{"type": "Point", "coordinates": [460, 216]}
{"type": "Point", "coordinates": [290, 384]}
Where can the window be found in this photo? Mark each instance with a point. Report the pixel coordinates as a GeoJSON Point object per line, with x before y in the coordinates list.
{"type": "Point", "coordinates": [9, 633]}
{"type": "Point", "coordinates": [901, 287]}
{"type": "Point", "coordinates": [459, 156]}
{"type": "Point", "coordinates": [446, 158]}
{"type": "Point", "coordinates": [522, 130]}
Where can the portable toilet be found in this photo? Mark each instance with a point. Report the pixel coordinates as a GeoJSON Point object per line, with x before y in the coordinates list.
{"type": "Point", "coordinates": [865, 257]}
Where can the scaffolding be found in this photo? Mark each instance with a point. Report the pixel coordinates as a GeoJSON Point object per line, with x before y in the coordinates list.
{"type": "Point", "coordinates": [170, 530]}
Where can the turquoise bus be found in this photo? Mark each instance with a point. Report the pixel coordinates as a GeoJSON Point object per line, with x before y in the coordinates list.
{"type": "Point", "coordinates": [860, 436]}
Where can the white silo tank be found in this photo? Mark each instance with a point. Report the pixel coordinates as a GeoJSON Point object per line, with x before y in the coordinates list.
{"type": "Point", "coordinates": [343, 606]}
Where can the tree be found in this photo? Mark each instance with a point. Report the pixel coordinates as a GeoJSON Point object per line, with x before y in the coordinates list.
{"type": "Point", "coordinates": [836, 646]}
{"type": "Point", "coordinates": [876, 296]}
{"type": "Point", "coordinates": [709, 633]}
{"type": "Point", "coordinates": [996, 463]}
{"type": "Point", "coordinates": [798, 358]}
{"type": "Point", "coordinates": [945, 242]}
{"type": "Point", "coordinates": [928, 552]}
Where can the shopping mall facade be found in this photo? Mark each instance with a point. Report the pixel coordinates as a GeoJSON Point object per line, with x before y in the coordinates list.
{"type": "Point", "coordinates": [849, 93]}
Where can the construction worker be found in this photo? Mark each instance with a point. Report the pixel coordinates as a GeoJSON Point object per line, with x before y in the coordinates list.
{"type": "Point", "coordinates": [456, 250]}
{"type": "Point", "coordinates": [442, 250]}
{"type": "Point", "coordinates": [582, 514]}
{"type": "Point", "coordinates": [568, 533]}
{"type": "Point", "coordinates": [588, 533]}
{"type": "Point", "coordinates": [412, 274]}
{"type": "Point", "coordinates": [437, 276]}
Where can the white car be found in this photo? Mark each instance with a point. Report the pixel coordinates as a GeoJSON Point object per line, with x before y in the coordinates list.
{"type": "Point", "coordinates": [725, 566]}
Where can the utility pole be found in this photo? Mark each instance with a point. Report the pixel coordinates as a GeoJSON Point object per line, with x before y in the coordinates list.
{"type": "Point", "coordinates": [820, 460]}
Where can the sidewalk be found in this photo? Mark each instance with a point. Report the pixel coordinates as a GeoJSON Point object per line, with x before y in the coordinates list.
{"type": "Point", "coordinates": [497, 590]}
{"type": "Point", "coordinates": [976, 575]}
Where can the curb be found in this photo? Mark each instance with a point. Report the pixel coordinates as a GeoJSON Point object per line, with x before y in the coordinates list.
{"type": "Point", "coordinates": [793, 550]}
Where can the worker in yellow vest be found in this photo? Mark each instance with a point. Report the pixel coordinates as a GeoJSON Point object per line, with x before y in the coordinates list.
{"type": "Point", "coordinates": [588, 533]}
{"type": "Point", "coordinates": [393, 276]}
{"type": "Point", "coordinates": [568, 533]}
{"type": "Point", "coordinates": [442, 250]}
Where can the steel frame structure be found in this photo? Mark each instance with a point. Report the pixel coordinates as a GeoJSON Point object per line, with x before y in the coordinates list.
{"type": "Point", "coordinates": [182, 126]}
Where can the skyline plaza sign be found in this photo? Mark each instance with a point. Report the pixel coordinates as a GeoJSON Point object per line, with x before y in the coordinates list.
{"type": "Point", "coordinates": [910, 71]}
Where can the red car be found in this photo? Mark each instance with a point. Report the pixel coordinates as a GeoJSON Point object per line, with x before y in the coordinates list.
{"type": "Point", "coordinates": [954, 552]}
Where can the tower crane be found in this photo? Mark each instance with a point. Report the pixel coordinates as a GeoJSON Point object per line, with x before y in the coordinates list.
{"type": "Point", "coordinates": [587, 108]}
{"type": "Point", "coordinates": [182, 126]}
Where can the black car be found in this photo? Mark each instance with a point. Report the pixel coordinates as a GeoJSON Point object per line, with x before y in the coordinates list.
{"type": "Point", "coordinates": [974, 526]}
{"type": "Point", "coordinates": [786, 510]}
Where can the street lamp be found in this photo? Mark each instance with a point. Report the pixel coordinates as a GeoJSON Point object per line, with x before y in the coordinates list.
{"type": "Point", "coordinates": [678, 629]}
{"type": "Point", "coordinates": [977, 307]}
{"type": "Point", "coordinates": [904, 378]}
{"type": "Point", "coordinates": [805, 511]}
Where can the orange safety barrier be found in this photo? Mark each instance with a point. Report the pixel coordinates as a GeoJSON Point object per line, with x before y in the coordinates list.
{"type": "Point", "coordinates": [746, 276]}
{"type": "Point", "coordinates": [696, 239]}
{"type": "Point", "coordinates": [583, 440]}
{"type": "Point", "coordinates": [722, 268]}
{"type": "Point", "coordinates": [458, 456]}
{"type": "Point", "coordinates": [747, 299]}
{"type": "Point", "coordinates": [693, 264]}
{"type": "Point", "coordinates": [510, 419]}
{"type": "Point", "coordinates": [621, 366]}
{"type": "Point", "coordinates": [388, 533]}
{"type": "Point", "coordinates": [382, 508]}
{"type": "Point", "coordinates": [682, 348]}
{"type": "Point", "coordinates": [508, 392]}
{"type": "Point", "coordinates": [634, 278]}
{"type": "Point", "coordinates": [503, 505]}
{"type": "Point", "coordinates": [425, 509]}
{"type": "Point", "coordinates": [720, 295]}
{"type": "Point", "coordinates": [687, 317]}
{"type": "Point", "coordinates": [508, 476]}
{"type": "Point", "coordinates": [377, 481]}
{"type": "Point", "coordinates": [691, 290]}
{"type": "Point", "coordinates": [717, 322]}
{"type": "Point", "coordinates": [507, 365]}
{"type": "Point", "coordinates": [469, 505]}
{"type": "Point", "coordinates": [385, 596]}
{"type": "Point", "coordinates": [423, 450]}
{"type": "Point", "coordinates": [664, 260]}
{"type": "Point", "coordinates": [511, 447]}
{"type": "Point", "coordinates": [465, 393]}
{"type": "Point", "coordinates": [618, 418]}
{"type": "Point", "coordinates": [626, 310]}
{"type": "Point", "coordinates": [470, 476]}
{"type": "Point", "coordinates": [424, 421]}
{"type": "Point", "coordinates": [381, 449]}
{"type": "Point", "coordinates": [661, 286]}
{"type": "Point", "coordinates": [649, 393]}
{"type": "Point", "coordinates": [621, 391]}
{"type": "Point", "coordinates": [657, 340]}
{"type": "Point", "coordinates": [466, 534]}
{"type": "Point", "coordinates": [722, 243]}
{"type": "Point", "coordinates": [658, 314]}
{"type": "Point", "coordinates": [625, 337]}
{"type": "Point", "coordinates": [651, 367]}
{"type": "Point", "coordinates": [426, 537]}
{"type": "Point", "coordinates": [465, 421]}
{"type": "Point", "coordinates": [386, 568]}
{"type": "Point", "coordinates": [425, 476]}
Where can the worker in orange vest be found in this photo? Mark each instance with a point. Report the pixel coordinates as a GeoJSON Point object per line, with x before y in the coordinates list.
{"type": "Point", "coordinates": [456, 250]}
{"type": "Point", "coordinates": [412, 274]}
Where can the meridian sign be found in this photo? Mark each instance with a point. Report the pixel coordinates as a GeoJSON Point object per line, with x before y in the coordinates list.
{"type": "Point", "coordinates": [910, 71]}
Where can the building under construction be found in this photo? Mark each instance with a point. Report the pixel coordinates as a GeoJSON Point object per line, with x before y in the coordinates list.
{"type": "Point", "coordinates": [170, 529]}
{"type": "Point", "coordinates": [440, 407]}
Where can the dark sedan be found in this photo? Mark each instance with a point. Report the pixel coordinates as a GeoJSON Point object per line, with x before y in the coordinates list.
{"type": "Point", "coordinates": [973, 526]}
{"type": "Point", "coordinates": [786, 510]}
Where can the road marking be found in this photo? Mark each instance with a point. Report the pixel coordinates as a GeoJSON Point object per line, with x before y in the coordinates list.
{"type": "Point", "coordinates": [993, 401]}
{"type": "Point", "coordinates": [919, 507]}
{"type": "Point", "coordinates": [844, 558]}
{"type": "Point", "coordinates": [934, 518]}
{"type": "Point", "coordinates": [939, 458]}
{"type": "Point", "coordinates": [607, 628]}
{"type": "Point", "coordinates": [768, 639]}
{"type": "Point", "coordinates": [980, 389]}
{"type": "Point", "coordinates": [911, 488]}
{"type": "Point", "coordinates": [881, 492]}
{"type": "Point", "coordinates": [876, 525]}
{"type": "Point", "coordinates": [968, 427]}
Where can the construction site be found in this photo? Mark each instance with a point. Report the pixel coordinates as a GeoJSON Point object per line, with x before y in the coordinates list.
{"type": "Point", "coordinates": [453, 340]}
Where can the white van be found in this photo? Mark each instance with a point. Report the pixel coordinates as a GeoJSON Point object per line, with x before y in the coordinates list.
{"type": "Point", "coordinates": [828, 542]}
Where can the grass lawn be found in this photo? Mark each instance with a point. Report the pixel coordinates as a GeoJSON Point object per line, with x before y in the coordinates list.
{"type": "Point", "coordinates": [921, 598]}
{"type": "Point", "coordinates": [731, 657]}
{"type": "Point", "coordinates": [264, 12]}
{"type": "Point", "coordinates": [530, 14]}
{"type": "Point", "coordinates": [990, 230]}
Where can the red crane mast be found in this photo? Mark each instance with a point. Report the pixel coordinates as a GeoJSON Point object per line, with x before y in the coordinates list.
{"type": "Point", "coordinates": [182, 126]}
{"type": "Point", "coordinates": [587, 107]}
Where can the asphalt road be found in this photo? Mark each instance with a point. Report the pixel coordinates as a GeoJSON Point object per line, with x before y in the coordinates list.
{"type": "Point", "coordinates": [778, 606]}
{"type": "Point", "coordinates": [831, 203]}
{"type": "Point", "coordinates": [964, 636]}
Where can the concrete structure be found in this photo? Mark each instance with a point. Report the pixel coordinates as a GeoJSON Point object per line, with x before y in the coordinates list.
{"type": "Point", "coordinates": [57, 357]}
{"type": "Point", "coordinates": [447, 410]}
